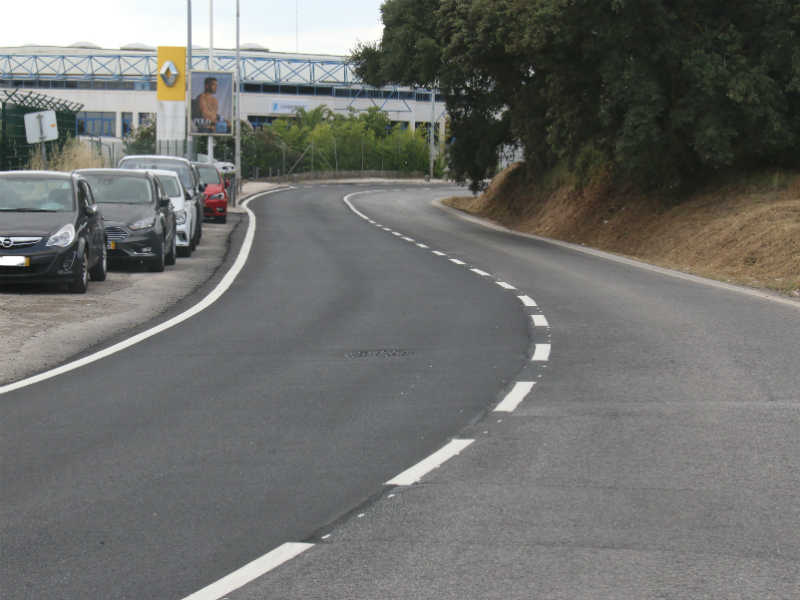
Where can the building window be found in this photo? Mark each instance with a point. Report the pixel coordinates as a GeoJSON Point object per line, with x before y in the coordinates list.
{"type": "Point", "coordinates": [127, 123]}
{"type": "Point", "coordinates": [257, 120]}
{"type": "Point", "coordinates": [144, 117]}
{"type": "Point", "coordinates": [97, 124]}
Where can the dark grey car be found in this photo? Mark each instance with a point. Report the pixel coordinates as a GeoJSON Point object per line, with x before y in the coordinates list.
{"type": "Point", "coordinates": [51, 230]}
{"type": "Point", "coordinates": [189, 177]}
{"type": "Point", "coordinates": [140, 221]}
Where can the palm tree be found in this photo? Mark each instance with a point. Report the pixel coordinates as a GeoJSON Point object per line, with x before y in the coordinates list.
{"type": "Point", "coordinates": [312, 118]}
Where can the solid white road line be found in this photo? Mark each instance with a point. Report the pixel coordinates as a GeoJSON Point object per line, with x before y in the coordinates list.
{"type": "Point", "coordinates": [418, 471]}
{"type": "Point", "coordinates": [212, 297]}
{"type": "Point", "coordinates": [354, 209]}
{"type": "Point", "coordinates": [458, 262]}
{"type": "Point", "coordinates": [505, 285]}
{"type": "Point", "coordinates": [541, 353]}
{"type": "Point", "coordinates": [527, 301]}
{"type": "Point", "coordinates": [437, 253]}
{"type": "Point", "coordinates": [539, 321]}
{"type": "Point", "coordinates": [515, 396]}
{"type": "Point", "coordinates": [249, 572]}
{"type": "Point", "coordinates": [479, 272]}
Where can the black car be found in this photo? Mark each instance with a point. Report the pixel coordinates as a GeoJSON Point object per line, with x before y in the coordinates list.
{"type": "Point", "coordinates": [189, 177]}
{"type": "Point", "coordinates": [140, 222]}
{"type": "Point", "coordinates": [51, 230]}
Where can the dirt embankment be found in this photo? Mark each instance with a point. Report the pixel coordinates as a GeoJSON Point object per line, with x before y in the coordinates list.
{"type": "Point", "coordinates": [744, 234]}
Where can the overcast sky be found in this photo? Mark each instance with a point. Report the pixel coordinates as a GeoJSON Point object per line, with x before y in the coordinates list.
{"type": "Point", "coordinates": [325, 26]}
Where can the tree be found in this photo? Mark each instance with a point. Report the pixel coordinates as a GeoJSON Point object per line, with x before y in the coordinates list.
{"type": "Point", "coordinates": [142, 139]}
{"type": "Point", "coordinates": [665, 90]}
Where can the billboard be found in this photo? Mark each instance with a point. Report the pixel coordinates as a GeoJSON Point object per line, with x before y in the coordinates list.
{"type": "Point", "coordinates": [211, 94]}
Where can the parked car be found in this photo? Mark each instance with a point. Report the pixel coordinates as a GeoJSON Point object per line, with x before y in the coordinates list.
{"type": "Point", "coordinates": [225, 168]}
{"type": "Point", "coordinates": [216, 192]}
{"type": "Point", "coordinates": [185, 216]}
{"type": "Point", "coordinates": [190, 179]}
{"type": "Point", "coordinates": [51, 230]}
{"type": "Point", "coordinates": [140, 222]}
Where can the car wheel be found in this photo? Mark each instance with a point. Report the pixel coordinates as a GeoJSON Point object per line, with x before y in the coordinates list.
{"type": "Point", "coordinates": [157, 264]}
{"type": "Point", "coordinates": [223, 219]}
{"type": "Point", "coordinates": [193, 241]}
{"type": "Point", "coordinates": [81, 283]}
{"type": "Point", "coordinates": [169, 258]}
{"type": "Point", "coordinates": [100, 270]}
{"type": "Point", "coordinates": [184, 251]}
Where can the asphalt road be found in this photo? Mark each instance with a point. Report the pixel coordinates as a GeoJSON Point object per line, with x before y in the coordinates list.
{"type": "Point", "coordinates": [656, 455]}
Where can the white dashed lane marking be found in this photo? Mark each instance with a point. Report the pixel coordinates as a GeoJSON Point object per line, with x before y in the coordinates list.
{"type": "Point", "coordinates": [515, 396]}
{"type": "Point", "coordinates": [422, 245]}
{"type": "Point", "coordinates": [249, 572]}
{"type": "Point", "coordinates": [418, 471]}
{"type": "Point", "coordinates": [541, 353]}
{"type": "Point", "coordinates": [456, 261]}
{"type": "Point", "coordinates": [479, 272]}
{"type": "Point", "coordinates": [527, 301]}
{"type": "Point", "coordinates": [539, 321]}
{"type": "Point", "coordinates": [505, 285]}
{"type": "Point", "coordinates": [437, 253]}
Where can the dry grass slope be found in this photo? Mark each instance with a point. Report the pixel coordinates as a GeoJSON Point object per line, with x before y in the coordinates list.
{"type": "Point", "coordinates": [747, 234]}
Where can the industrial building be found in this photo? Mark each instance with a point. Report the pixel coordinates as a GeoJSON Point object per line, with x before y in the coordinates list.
{"type": "Point", "coordinates": [117, 87]}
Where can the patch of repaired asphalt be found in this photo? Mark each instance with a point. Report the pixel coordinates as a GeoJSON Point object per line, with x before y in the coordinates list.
{"type": "Point", "coordinates": [44, 325]}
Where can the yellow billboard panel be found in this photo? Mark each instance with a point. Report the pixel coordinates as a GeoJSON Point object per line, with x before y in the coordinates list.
{"type": "Point", "coordinates": [172, 73]}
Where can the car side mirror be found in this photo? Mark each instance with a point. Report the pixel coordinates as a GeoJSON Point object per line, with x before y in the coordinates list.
{"type": "Point", "coordinates": [202, 187]}
{"type": "Point", "coordinates": [188, 195]}
{"type": "Point", "coordinates": [92, 210]}
{"type": "Point", "coordinates": [165, 202]}
{"type": "Point", "coordinates": [227, 183]}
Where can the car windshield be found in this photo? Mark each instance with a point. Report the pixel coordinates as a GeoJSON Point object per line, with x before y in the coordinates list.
{"type": "Point", "coordinates": [155, 163]}
{"type": "Point", "coordinates": [170, 185]}
{"type": "Point", "coordinates": [120, 189]}
{"type": "Point", "coordinates": [36, 194]}
{"type": "Point", "coordinates": [208, 175]}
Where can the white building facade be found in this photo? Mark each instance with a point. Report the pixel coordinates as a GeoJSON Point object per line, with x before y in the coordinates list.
{"type": "Point", "coordinates": [118, 87]}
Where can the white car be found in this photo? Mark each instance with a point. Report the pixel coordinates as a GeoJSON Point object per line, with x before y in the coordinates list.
{"type": "Point", "coordinates": [225, 167]}
{"type": "Point", "coordinates": [185, 213]}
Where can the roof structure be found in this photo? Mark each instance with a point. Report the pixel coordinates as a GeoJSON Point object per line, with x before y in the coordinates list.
{"type": "Point", "coordinates": [258, 66]}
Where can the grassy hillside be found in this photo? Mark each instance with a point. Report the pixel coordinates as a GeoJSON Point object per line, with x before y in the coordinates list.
{"type": "Point", "coordinates": [745, 232]}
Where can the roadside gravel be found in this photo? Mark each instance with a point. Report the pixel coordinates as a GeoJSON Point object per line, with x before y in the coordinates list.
{"type": "Point", "coordinates": [44, 325]}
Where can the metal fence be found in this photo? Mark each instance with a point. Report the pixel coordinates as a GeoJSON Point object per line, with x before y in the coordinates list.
{"type": "Point", "coordinates": [15, 151]}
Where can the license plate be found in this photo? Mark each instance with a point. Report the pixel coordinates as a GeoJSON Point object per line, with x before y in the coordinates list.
{"type": "Point", "coordinates": [15, 261]}
{"type": "Point", "coordinates": [111, 245]}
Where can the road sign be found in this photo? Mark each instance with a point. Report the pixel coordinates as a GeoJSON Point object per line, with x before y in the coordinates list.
{"type": "Point", "coordinates": [41, 126]}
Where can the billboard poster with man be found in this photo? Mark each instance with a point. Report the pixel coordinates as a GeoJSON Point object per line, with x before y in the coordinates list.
{"type": "Point", "coordinates": [211, 94]}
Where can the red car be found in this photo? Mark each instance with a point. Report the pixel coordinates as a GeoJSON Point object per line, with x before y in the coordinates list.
{"type": "Point", "coordinates": [216, 193]}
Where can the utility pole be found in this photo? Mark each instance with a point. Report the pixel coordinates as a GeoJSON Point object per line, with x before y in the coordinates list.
{"type": "Point", "coordinates": [188, 83]}
{"type": "Point", "coordinates": [211, 68]}
{"type": "Point", "coordinates": [431, 132]}
{"type": "Point", "coordinates": [238, 181]}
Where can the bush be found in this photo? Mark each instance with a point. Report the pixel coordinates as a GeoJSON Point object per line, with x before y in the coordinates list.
{"type": "Point", "coordinates": [68, 156]}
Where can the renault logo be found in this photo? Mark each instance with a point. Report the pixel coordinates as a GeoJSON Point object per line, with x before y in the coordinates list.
{"type": "Point", "coordinates": [6, 242]}
{"type": "Point", "coordinates": [169, 73]}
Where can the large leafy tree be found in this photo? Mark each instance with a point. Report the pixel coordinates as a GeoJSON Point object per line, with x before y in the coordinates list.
{"type": "Point", "coordinates": [665, 90]}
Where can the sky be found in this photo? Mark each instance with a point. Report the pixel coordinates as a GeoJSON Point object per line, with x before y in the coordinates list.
{"type": "Point", "coordinates": [323, 26]}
